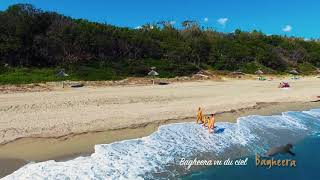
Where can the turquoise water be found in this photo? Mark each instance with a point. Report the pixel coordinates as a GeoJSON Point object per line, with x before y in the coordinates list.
{"type": "Point", "coordinates": [307, 161]}
{"type": "Point", "coordinates": [158, 156]}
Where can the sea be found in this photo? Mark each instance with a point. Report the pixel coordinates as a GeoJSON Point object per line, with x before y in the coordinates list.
{"type": "Point", "coordinates": [161, 154]}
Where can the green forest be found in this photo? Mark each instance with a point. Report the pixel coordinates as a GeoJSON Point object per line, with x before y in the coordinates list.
{"type": "Point", "coordinates": [36, 44]}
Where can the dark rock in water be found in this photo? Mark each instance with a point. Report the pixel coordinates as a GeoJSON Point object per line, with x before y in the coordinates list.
{"type": "Point", "coordinates": [280, 150]}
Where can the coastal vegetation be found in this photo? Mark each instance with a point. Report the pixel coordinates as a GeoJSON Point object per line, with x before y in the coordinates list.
{"type": "Point", "coordinates": [36, 44]}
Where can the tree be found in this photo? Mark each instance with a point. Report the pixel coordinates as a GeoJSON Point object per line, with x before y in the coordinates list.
{"type": "Point", "coordinates": [30, 37]}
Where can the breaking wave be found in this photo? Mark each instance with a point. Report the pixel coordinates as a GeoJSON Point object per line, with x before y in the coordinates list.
{"type": "Point", "coordinates": [157, 156]}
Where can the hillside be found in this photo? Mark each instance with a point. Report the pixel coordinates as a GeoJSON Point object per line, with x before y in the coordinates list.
{"type": "Point", "coordinates": [38, 43]}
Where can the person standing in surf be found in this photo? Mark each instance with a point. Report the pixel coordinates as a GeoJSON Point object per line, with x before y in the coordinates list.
{"type": "Point", "coordinates": [211, 123]}
{"type": "Point", "coordinates": [199, 115]}
{"type": "Point", "coordinates": [205, 121]}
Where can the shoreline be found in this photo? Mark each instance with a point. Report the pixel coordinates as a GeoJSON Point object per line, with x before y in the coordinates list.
{"type": "Point", "coordinates": [72, 146]}
{"type": "Point", "coordinates": [67, 123]}
{"type": "Point", "coordinates": [74, 111]}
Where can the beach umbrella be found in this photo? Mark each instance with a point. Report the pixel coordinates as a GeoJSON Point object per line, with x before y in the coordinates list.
{"type": "Point", "coordinates": [153, 73]}
{"type": "Point", "coordinates": [259, 72]}
{"type": "Point", "coordinates": [62, 74]}
{"type": "Point", "coordinates": [293, 71]}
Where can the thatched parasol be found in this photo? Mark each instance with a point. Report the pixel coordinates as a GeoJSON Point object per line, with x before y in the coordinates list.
{"type": "Point", "coordinates": [294, 72]}
{"type": "Point", "coordinates": [62, 74]}
{"type": "Point", "coordinates": [153, 73]}
{"type": "Point", "coordinates": [259, 72]}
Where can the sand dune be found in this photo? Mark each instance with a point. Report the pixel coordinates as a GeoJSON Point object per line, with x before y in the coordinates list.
{"type": "Point", "coordinates": [65, 111]}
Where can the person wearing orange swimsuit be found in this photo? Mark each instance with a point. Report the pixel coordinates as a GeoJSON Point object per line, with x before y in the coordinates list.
{"type": "Point", "coordinates": [205, 121]}
{"type": "Point", "coordinates": [199, 115]}
{"type": "Point", "coordinates": [211, 123]}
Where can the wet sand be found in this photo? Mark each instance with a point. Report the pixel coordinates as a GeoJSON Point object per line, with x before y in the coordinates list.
{"type": "Point", "coordinates": [7, 165]}
{"type": "Point", "coordinates": [15, 154]}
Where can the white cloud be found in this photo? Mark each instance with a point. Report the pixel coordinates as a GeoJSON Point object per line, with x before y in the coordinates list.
{"type": "Point", "coordinates": [138, 27]}
{"type": "Point", "coordinates": [287, 28]}
{"type": "Point", "coordinates": [222, 21]}
{"type": "Point", "coordinates": [172, 22]}
{"type": "Point", "coordinates": [206, 19]}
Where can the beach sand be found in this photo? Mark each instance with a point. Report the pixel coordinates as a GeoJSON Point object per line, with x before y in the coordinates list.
{"type": "Point", "coordinates": [65, 123]}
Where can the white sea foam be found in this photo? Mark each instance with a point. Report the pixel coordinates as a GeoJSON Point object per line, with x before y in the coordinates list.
{"type": "Point", "coordinates": [159, 153]}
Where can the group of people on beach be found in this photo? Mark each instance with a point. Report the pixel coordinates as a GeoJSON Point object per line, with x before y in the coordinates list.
{"type": "Point", "coordinates": [206, 121]}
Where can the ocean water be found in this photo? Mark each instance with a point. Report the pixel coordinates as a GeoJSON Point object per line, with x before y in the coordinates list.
{"type": "Point", "coordinates": [307, 161]}
{"type": "Point", "coordinates": [158, 156]}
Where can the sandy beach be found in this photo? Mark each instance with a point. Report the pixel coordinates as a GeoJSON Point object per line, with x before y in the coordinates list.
{"type": "Point", "coordinates": [73, 111]}
{"type": "Point", "coordinates": [68, 122]}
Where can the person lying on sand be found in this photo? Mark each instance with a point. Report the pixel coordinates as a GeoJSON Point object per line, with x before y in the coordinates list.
{"type": "Point", "coordinates": [284, 85]}
{"type": "Point", "coordinates": [199, 115]}
{"type": "Point", "coordinates": [211, 123]}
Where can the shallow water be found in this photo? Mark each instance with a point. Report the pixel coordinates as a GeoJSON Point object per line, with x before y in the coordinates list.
{"type": "Point", "coordinates": [157, 156]}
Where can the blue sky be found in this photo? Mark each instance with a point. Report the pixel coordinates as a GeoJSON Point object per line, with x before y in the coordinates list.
{"type": "Point", "coordinates": [286, 17]}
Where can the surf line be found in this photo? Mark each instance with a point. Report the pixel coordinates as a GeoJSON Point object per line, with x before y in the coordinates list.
{"type": "Point", "coordinates": [261, 162]}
